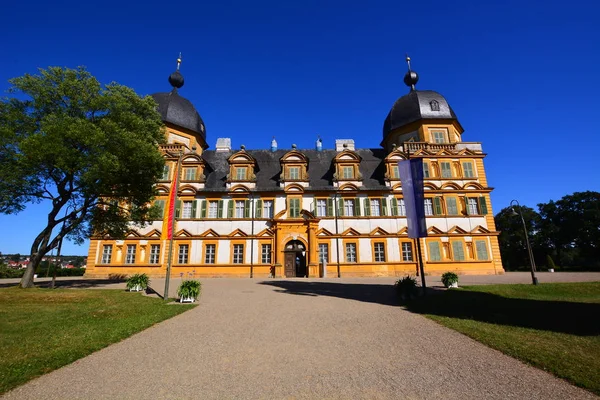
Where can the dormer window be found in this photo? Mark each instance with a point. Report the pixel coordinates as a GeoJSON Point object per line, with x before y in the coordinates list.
{"type": "Point", "coordinates": [348, 172]}
{"type": "Point", "coordinates": [189, 174]}
{"type": "Point", "coordinates": [347, 168]}
{"type": "Point", "coordinates": [242, 171]}
{"type": "Point", "coordinates": [435, 105]}
{"type": "Point", "coordinates": [294, 173]}
{"type": "Point", "coordinates": [294, 169]}
{"type": "Point", "coordinates": [240, 174]}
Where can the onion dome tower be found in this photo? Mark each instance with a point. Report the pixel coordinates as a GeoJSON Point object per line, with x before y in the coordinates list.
{"type": "Point", "coordinates": [178, 112]}
{"type": "Point", "coordinates": [411, 111]}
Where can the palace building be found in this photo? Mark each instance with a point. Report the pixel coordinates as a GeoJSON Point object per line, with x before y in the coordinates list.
{"type": "Point", "coordinates": [313, 212]}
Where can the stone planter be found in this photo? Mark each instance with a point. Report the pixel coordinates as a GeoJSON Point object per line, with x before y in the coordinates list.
{"type": "Point", "coordinates": [136, 288]}
{"type": "Point", "coordinates": [452, 285]}
{"type": "Point", "coordinates": [187, 300]}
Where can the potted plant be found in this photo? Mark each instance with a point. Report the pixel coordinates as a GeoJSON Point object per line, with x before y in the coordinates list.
{"type": "Point", "coordinates": [188, 291]}
{"type": "Point", "coordinates": [137, 282]}
{"type": "Point", "coordinates": [406, 287]}
{"type": "Point", "coordinates": [450, 280]}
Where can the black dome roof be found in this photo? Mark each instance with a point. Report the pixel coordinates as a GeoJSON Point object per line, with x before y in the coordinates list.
{"type": "Point", "coordinates": [417, 105]}
{"type": "Point", "coordinates": [179, 111]}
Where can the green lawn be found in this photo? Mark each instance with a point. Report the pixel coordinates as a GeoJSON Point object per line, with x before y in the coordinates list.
{"type": "Point", "coordinates": [553, 326]}
{"type": "Point", "coordinates": [43, 329]}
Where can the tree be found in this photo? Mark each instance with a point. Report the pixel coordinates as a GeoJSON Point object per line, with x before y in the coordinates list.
{"type": "Point", "coordinates": [512, 242]}
{"type": "Point", "coordinates": [88, 151]}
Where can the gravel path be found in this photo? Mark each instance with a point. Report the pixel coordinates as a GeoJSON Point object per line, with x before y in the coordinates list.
{"type": "Point", "coordinates": [298, 339]}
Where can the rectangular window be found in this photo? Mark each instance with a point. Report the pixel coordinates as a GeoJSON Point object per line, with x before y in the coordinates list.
{"type": "Point", "coordinates": [154, 253]}
{"type": "Point", "coordinates": [209, 253]}
{"type": "Point", "coordinates": [446, 170]}
{"type": "Point", "coordinates": [428, 207]}
{"type": "Point", "coordinates": [426, 170]}
{"type": "Point", "coordinates": [189, 174]}
{"type": "Point", "coordinates": [240, 174]}
{"type": "Point", "coordinates": [395, 172]}
{"type": "Point", "coordinates": [434, 251]}
{"type": "Point", "coordinates": [473, 209]}
{"type": "Point", "coordinates": [240, 208]}
{"type": "Point", "coordinates": [294, 207]}
{"type": "Point", "coordinates": [213, 206]}
{"type": "Point", "coordinates": [349, 207]}
{"type": "Point", "coordinates": [265, 254]}
{"type": "Point", "coordinates": [348, 172]}
{"type": "Point", "coordinates": [130, 257]}
{"type": "Point", "coordinates": [439, 136]}
{"type": "Point", "coordinates": [106, 253]}
{"type": "Point", "coordinates": [401, 208]}
{"type": "Point", "coordinates": [323, 252]}
{"type": "Point", "coordinates": [321, 208]}
{"type": "Point", "coordinates": [468, 170]}
{"type": "Point", "coordinates": [407, 254]}
{"type": "Point", "coordinates": [294, 173]}
{"type": "Point", "coordinates": [379, 248]}
{"type": "Point", "coordinates": [458, 251]}
{"type": "Point", "coordinates": [238, 253]}
{"type": "Point", "coordinates": [481, 247]}
{"type": "Point", "coordinates": [451, 207]}
{"type": "Point", "coordinates": [351, 252]}
{"type": "Point", "coordinates": [165, 174]}
{"type": "Point", "coordinates": [375, 207]}
{"type": "Point", "coordinates": [267, 209]}
{"type": "Point", "coordinates": [184, 251]}
{"type": "Point", "coordinates": [186, 210]}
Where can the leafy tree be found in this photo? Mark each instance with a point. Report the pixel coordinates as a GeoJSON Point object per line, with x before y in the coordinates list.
{"type": "Point", "coordinates": [513, 246]}
{"type": "Point", "coordinates": [72, 143]}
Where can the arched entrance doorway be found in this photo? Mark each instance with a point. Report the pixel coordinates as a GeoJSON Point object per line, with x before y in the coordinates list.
{"type": "Point", "coordinates": [295, 259]}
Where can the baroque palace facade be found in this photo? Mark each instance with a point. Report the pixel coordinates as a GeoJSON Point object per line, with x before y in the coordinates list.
{"type": "Point", "coordinates": [318, 212]}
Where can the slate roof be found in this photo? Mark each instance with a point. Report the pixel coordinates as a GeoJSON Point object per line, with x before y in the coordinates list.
{"type": "Point", "coordinates": [320, 169]}
{"type": "Point", "coordinates": [179, 111]}
{"type": "Point", "coordinates": [416, 106]}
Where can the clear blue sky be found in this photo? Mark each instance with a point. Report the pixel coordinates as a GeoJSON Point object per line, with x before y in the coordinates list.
{"type": "Point", "coordinates": [521, 76]}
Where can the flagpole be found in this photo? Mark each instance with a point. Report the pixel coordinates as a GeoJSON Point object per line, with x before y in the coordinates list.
{"type": "Point", "coordinates": [172, 232]}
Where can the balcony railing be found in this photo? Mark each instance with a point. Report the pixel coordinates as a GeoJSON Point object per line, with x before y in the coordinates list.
{"type": "Point", "coordinates": [411, 147]}
{"type": "Point", "coordinates": [173, 148]}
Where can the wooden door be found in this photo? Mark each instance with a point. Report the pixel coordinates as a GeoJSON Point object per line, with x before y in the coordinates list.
{"type": "Point", "coordinates": [290, 265]}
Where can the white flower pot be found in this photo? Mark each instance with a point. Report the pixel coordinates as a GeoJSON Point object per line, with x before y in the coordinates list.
{"type": "Point", "coordinates": [187, 300]}
{"type": "Point", "coordinates": [550, 269]}
{"type": "Point", "coordinates": [136, 288]}
{"type": "Point", "coordinates": [453, 285]}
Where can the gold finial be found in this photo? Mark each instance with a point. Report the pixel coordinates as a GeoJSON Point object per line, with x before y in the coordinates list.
{"type": "Point", "coordinates": [408, 61]}
{"type": "Point", "coordinates": [178, 61]}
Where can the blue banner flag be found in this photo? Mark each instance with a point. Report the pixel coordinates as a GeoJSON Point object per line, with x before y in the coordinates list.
{"type": "Point", "coordinates": [411, 176]}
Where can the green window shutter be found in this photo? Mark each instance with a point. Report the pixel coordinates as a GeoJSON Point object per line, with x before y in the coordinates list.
{"type": "Point", "coordinates": [194, 207]}
{"type": "Point", "coordinates": [394, 206]}
{"type": "Point", "coordinates": [165, 176]}
{"type": "Point", "coordinates": [161, 207]}
{"type": "Point", "coordinates": [230, 205]}
{"type": "Point", "coordinates": [330, 207]}
{"type": "Point", "coordinates": [483, 206]}
{"type": "Point", "coordinates": [259, 206]}
{"type": "Point", "coordinates": [340, 207]}
{"type": "Point", "coordinates": [220, 209]}
{"type": "Point", "coordinates": [437, 206]}
{"type": "Point", "coordinates": [466, 205]}
{"type": "Point", "coordinates": [246, 208]}
{"type": "Point", "coordinates": [458, 251]}
{"type": "Point", "coordinates": [383, 206]}
{"type": "Point", "coordinates": [367, 207]}
{"type": "Point", "coordinates": [357, 207]}
{"type": "Point", "coordinates": [203, 209]}
{"type": "Point", "coordinates": [434, 251]}
{"type": "Point", "coordinates": [177, 208]}
{"type": "Point", "coordinates": [481, 247]}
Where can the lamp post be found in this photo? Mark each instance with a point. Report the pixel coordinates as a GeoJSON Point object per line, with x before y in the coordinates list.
{"type": "Point", "coordinates": [531, 259]}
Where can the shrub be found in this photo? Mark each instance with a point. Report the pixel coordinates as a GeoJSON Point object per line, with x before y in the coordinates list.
{"type": "Point", "coordinates": [406, 287]}
{"type": "Point", "coordinates": [550, 263]}
{"type": "Point", "coordinates": [7, 272]}
{"type": "Point", "coordinates": [189, 289]}
{"type": "Point", "coordinates": [449, 278]}
{"type": "Point", "coordinates": [137, 280]}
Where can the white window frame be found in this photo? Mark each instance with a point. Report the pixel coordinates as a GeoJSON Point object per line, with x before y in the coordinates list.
{"type": "Point", "coordinates": [190, 174]}
{"type": "Point", "coordinates": [349, 207]}
{"type": "Point", "coordinates": [238, 254]}
{"type": "Point", "coordinates": [379, 251]}
{"type": "Point", "coordinates": [154, 254]}
{"type": "Point", "coordinates": [375, 207]}
{"type": "Point", "coordinates": [323, 248]}
{"type": "Point", "coordinates": [240, 208]}
{"type": "Point", "coordinates": [210, 250]}
{"type": "Point", "coordinates": [428, 207]}
{"type": "Point", "coordinates": [213, 209]}
{"type": "Point", "coordinates": [407, 253]}
{"type": "Point", "coordinates": [436, 138]}
{"type": "Point", "coordinates": [267, 209]}
{"type": "Point", "coordinates": [294, 173]}
{"type": "Point", "coordinates": [265, 253]}
{"type": "Point", "coordinates": [473, 206]}
{"type": "Point", "coordinates": [347, 172]}
{"type": "Point", "coordinates": [130, 255]}
{"type": "Point", "coordinates": [468, 172]}
{"type": "Point", "coordinates": [401, 208]}
{"type": "Point", "coordinates": [321, 207]}
{"type": "Point", "coordinates": [183, 254]}
{"type": "Point", "coordinates": [106, 254]}
{"type": "Point", "coordinates": [351, 252]}
{"type": "Point", "coordinates": [186, 209]}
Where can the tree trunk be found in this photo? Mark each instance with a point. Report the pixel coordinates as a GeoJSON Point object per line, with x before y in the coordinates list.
{"type": "Point", "coordinates": [34, 261]}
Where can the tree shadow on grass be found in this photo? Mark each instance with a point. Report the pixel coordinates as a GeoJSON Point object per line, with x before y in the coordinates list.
{"type": "Point", "coordinates": [371, 293]}
{"type": "Point", "coordinates": [68, 284]}
{"type": "Point", "coordinates": [558, 316]}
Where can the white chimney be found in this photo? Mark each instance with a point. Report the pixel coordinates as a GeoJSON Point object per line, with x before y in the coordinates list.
{"type": "Point", "coordinates": [344, 144]}
{"type": "Point", "coordinates": [223, 144]}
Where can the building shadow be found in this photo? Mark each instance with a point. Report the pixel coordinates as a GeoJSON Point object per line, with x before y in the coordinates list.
{"type": "Point", "coordinates": [557, 316]}
{"type": "Point", "coordinates": [371, 293]}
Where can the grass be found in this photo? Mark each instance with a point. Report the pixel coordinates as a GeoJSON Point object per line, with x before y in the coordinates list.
{"type": "Point", "coordinates": [553, 326]}
{"type": "Point", "coordinates": [44, 329]}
